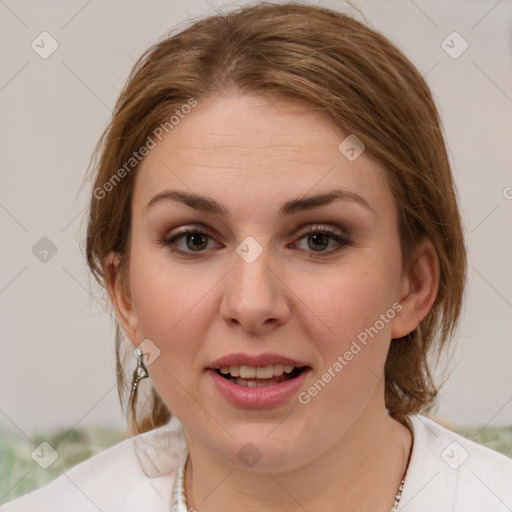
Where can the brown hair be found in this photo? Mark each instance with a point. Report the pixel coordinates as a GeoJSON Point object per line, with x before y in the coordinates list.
{"type": "Point", "coordinates": [344, 69]}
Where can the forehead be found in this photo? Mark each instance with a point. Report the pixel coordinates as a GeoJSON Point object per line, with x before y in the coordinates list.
{"type": "Point", "coordinates": [242, 149]}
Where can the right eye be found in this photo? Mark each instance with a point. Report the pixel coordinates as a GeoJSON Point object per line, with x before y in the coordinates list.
{"type": "Point", "coordinates": [195, 241]}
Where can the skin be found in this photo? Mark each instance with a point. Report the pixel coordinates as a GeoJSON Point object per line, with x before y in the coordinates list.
{"type": "Point", "coordinates": [341, 451]}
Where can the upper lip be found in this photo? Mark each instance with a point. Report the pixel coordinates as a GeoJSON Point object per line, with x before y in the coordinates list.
{"type": "Point", "coordinates": [242, 359]}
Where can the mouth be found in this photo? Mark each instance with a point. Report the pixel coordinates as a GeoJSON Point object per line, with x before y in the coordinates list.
{"type": "Point", "coordinates": [258, 370]}
{"type": "Point", "coordinates": [260, 376]}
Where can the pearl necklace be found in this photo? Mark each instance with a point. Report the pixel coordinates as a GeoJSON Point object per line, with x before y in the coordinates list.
{"type": "Point", "coordinates": [179, 501]}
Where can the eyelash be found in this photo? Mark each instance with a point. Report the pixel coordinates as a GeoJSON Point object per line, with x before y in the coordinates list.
{"type": "Point", "coordinates": [341, 240]}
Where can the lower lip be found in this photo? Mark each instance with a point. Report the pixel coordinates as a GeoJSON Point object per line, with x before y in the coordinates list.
{"type": "Point", "coordinates": [258, 398]}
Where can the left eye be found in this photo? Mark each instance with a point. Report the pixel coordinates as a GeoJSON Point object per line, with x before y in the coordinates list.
{"type": "Point", "coordinates": [318, 240]}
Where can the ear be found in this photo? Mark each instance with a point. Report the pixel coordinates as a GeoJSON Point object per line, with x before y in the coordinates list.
{"type": "Point", "coordinates": [120, 298]}
{"type": "Point", "coordinates": [418, 289]}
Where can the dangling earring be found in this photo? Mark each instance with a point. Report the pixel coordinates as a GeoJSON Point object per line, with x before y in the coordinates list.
{"type": "Point", "coordinates": [141, 372]}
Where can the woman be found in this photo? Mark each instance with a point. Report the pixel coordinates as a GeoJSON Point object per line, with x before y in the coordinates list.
{"type": "Point", "coordinates": [274, 219]}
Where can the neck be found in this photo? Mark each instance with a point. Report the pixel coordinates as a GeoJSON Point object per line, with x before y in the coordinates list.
{"type": "Point", "coordinates": [361, 471]}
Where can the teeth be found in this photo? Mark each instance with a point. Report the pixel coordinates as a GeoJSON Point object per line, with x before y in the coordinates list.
{"type": "Point", "coordinates": [278, 370]}
{"type": "Point", "coordinates": [251, 383]}
{"type": "Point", "coordinates": [265, 372]}
{"type": "Point", "coordinates": [247, 372]}
{"type": "Point", "coordinates": [260, 372]}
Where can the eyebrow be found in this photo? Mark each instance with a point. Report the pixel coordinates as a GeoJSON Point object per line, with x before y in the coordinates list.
{"type": "Point", "coordinates": [300, 204]}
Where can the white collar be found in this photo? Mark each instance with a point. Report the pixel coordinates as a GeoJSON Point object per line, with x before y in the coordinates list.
{"type": "Point", "coordinates": [179, 501]}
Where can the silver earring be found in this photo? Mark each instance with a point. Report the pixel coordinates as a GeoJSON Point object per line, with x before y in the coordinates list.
{"type": "Point", "coordinates": [141, 372]}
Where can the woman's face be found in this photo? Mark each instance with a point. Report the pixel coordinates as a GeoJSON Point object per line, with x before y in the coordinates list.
{"type": "Point", "coordinates": [253, 282]}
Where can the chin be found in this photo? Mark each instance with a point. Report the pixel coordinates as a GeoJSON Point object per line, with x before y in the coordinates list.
{"type": "Point", "coordinates": [252, 451]}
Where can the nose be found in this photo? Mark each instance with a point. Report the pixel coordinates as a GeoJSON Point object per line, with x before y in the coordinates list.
{"type": "Point", "coordinates": [255, 297]}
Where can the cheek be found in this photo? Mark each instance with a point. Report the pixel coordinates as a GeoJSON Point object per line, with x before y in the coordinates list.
{"type": "Point", "coordinates": [172, 310]}
{"type": "Point", "coordinates": [354, 301]}
{"type": "Point", "coordinates": [356, 308]}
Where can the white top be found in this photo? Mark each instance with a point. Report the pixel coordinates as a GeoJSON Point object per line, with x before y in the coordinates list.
{"type": "Point", "coordinates": [447, 473]}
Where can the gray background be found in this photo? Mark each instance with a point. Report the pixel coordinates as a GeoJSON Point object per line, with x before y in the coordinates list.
{"type": "Point", "coordinates": [56, 360]}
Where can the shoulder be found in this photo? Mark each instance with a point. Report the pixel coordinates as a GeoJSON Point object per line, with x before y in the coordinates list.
{"type": "Point", "coordinates": [133, 475]}
{"type": "Point", "coordinates": [449, 473]}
